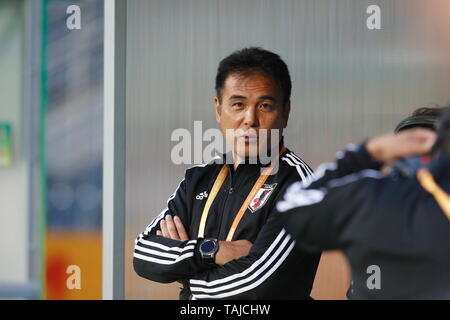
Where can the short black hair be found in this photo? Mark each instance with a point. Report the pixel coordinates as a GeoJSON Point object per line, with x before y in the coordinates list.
{"type": "Point", "coordinates": [435, 111]}
{"type": "Point", "coordinates": [255, 59]}
{"type": "Point", "coordinates": [443, 132]}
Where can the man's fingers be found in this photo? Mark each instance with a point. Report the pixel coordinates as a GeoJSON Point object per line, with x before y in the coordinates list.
{"type": "Point", "coordinates": [180, 228]}
{"type": "Point", "coordinates": [419, 140]}
{"type": "Point", "coordinates": [428, 138]}
{"type": "Point", "coordinates": [389, 147]}
{"type": "Point", "coordinates": [165, 232]}
{"type": "Point", "coordinates": [171, 228]}
{"type": "Point", "coordinates": [422, 134]}
{"type": "Point", "coordinates": [414, 142]}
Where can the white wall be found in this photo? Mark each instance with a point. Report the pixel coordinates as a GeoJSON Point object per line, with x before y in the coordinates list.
{"type": "Point", "coordinates": [349, 83]}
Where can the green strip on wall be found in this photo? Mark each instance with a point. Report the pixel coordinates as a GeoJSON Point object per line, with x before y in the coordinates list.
{"type": "Point", "coordinates": [43, 147]}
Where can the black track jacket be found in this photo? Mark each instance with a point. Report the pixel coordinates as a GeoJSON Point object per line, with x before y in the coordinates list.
{"type": "Point", "coordinates": [389, 228]}
{"type": "Point", "coordinates": [272, 270]}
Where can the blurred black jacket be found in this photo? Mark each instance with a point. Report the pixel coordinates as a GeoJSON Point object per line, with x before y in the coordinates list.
{"type": "Point", "coordinates": [385, 225]}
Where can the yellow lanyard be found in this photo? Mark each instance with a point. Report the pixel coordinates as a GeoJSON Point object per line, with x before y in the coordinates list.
{"type": "Point", "coordinates": [212, 195]}
{"type": "Point", "coordinates": [429, 184]}
{"type": "Point", "coordinates": [215, 189]}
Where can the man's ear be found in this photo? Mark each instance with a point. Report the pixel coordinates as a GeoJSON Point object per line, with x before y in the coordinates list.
{"type": "Point", "coordinates": [218, 109]}
{"type": "Point", "coordinates": [286, 111]}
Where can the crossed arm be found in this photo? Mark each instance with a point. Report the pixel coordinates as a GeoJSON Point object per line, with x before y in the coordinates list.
{"type": "Point", "coordinates": [172, 228]}
{"type": "Point", "coordinates": [165, 253]}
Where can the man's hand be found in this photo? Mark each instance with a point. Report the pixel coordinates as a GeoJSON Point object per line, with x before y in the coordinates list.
{"type": "Point", "coordinates": [173, 228]}
{"type": "Point", "coordinates": [231, 250]}
{"type": "Point", "coordinates": [389, 147]}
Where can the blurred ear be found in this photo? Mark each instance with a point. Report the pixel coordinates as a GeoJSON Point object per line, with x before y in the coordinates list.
{"type": "Point", "coordinates": [286, 112]}
{"type": "Point", "coordinates": [218, 109]}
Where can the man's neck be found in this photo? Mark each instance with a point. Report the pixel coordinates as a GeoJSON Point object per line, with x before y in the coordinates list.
{"type": "Point", "coordinates": [236, 161]}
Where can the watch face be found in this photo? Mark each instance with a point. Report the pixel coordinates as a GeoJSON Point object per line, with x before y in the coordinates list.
{"type": "Point", "coordinates": [208, 246]}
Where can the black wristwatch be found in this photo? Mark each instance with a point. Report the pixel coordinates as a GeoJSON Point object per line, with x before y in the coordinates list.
{"type": "Point", "coordinates": [208, 249]}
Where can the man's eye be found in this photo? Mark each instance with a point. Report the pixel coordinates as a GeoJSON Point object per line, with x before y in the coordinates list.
{"type": "Point", "coordinates": [266, 106]}
{"type": "Point", "coordinates": [238, 105]}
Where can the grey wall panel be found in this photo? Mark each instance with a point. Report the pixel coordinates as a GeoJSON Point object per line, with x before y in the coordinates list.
{"type": "Point", "coordinates": [348, 82]}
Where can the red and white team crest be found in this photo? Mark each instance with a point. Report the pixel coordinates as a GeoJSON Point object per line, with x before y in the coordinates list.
{"type": "Point", "coordinates": [261, 197]}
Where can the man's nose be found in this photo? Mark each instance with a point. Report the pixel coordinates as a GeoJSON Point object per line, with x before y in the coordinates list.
{"type": "Point", "coordinates": [251, 117]}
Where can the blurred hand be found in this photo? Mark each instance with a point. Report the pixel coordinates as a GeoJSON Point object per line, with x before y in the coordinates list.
{"type": "Point", "coordinates": [389, 147]}
{"type": "Point", "coordinates": [231, 250]}
{"type": "Point", "coordinates": [172, 228]}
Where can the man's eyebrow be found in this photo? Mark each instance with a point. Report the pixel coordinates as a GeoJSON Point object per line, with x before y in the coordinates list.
{"type": "Point", "coordinates": [267, 98]}
{"type": "Point", "coordinates": [235, 96]}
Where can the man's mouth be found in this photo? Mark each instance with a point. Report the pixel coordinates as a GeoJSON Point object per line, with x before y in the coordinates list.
{"type": "Point", "coordinates": [249, 138]}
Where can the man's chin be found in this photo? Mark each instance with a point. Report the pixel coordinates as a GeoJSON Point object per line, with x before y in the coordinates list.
{"type": "Point", "coordinates": [251, 153]}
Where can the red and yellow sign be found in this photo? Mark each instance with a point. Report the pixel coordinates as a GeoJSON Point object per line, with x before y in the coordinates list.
{"type": "Point", "coordinates": [73, 266]}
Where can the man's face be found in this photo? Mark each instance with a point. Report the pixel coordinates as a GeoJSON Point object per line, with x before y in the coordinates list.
{"type": "Point", "coordinates": [250, 102]}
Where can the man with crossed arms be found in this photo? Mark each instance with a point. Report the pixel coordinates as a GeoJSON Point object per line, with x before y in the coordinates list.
{"type": "Point", "coordinates": [218, 235]}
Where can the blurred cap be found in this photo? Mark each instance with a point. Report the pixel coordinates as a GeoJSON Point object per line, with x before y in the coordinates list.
{"type": "Point", "coordinates": [422, 121]}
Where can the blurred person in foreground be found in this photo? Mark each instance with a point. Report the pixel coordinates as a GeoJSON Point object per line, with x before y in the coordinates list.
{"type": "Point", "coordinates": [424, 117]}
{"type": "Point", "coordinates": [394, 232]}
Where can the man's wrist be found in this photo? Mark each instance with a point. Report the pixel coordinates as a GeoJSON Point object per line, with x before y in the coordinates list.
{"type": "Point", "coordinates": [208, 249]}
{"type": "Point", "coordinates": [374, 150]}
{"type": "Point", "coordinates": [368, 154]}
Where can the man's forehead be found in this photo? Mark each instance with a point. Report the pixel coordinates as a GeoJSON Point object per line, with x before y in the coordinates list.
{"type": "Point", "coordinates": [250, 83]}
